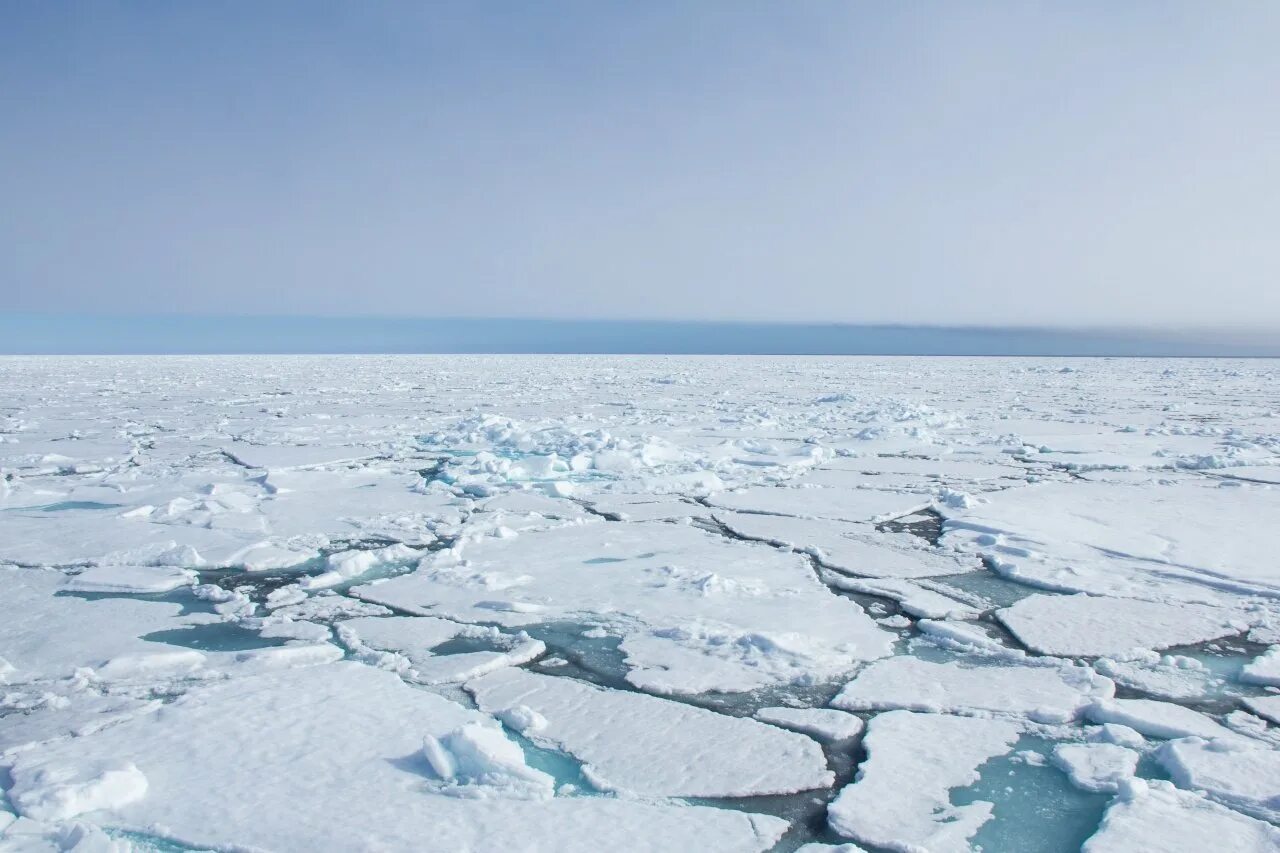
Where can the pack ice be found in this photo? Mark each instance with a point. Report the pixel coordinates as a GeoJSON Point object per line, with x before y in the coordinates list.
{"type": "Point", "coordinates": [639, 604]}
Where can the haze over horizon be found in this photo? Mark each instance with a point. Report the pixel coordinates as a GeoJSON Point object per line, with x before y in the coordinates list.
{"type": "Point", "coordinates": [989, 164]}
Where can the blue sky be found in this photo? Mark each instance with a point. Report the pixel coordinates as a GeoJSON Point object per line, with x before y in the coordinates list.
{"type": "Point", "coordinates": [1020, 163]}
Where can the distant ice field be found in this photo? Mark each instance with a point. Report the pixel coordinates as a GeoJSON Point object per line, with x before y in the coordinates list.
{"type": "Point", "coordinates": [549, 603]}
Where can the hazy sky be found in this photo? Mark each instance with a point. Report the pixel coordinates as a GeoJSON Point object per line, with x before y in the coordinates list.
{"type": "Point", "coordinates": [945, 162]}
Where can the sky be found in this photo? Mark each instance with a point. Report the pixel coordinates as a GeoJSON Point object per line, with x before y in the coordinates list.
{"type": "Point", "coordinates": [1007, 164]}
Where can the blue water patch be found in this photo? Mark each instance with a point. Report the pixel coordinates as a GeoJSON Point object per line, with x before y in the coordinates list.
{"type": "Point", "coordinates": [466, 645]}
{"type": "Point", "coordinates": [182, 597]}
{"type": "Point", "coordinates": [214, 637]}
{"type": "Point", "coordinates": [594, 659]}
{"type": "Point", "coordinates": [560, 766]}
{"type": "Point", "coordinates": [986, 584]}
{"type": "Point", "coordinates": [1036, 806]}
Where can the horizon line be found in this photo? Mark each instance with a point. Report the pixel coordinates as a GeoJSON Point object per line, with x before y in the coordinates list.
{"type": "Point", "coordinates": [49, 333]}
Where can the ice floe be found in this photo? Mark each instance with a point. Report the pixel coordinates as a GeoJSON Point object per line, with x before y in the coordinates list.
{"type": "Point", "coordinates": [696, 612]}
{"type": "Point", "coordinates": [1047, 694]}
{"type": "Point", "coordinates": [1155, 816]}
{"type": "Point", "coordinates": [347, 742]}
{"type": "Point", "coordinates": [645, 745]}
{"type": "Point", "coordinates": [900, 800]}
{"type": "Point", "coordinates": [1087, 625]}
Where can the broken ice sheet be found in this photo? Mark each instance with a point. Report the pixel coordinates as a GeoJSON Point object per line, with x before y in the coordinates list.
{"type": "Point", "coordinates": [901, 797]}
{"type": "Point", "coordinates": [645, 745]}
{"type": "Point", "coordinates": [1052, 693]}
{"type": "Point", "coordinates": [697, 612]}
{"type": "Point", "coordinates": [1094, 479]}
{"type": "Point", "coordinates": [334, 740]}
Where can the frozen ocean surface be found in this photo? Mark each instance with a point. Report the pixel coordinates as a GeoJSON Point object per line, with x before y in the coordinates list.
{"type": "Point", "coordinates": [647, 603]}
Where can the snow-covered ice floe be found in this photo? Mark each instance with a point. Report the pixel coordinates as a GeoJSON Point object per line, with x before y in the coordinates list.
{"type": "Point", "coordinates": [647, 745]}
{"type": "Point", "coordinates": [563, 603]}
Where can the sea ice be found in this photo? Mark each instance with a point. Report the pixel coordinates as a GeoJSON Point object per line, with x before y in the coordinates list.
{"type": "Point", "coordinates": [822, 502]}
{"type": "Point", "coordinates": [1265, 706]}
{"type": "Point", "coordinates": [911, 597]}
{"type": "Point", "coordinates": [1156, 816]}
{"type": "Point", "coordinates": [1132, 541]}
{"type": "Point", "coordinates": [1157, 719]}
{"type": "Point", "coordinates": [344, 744]}
{"type": "Point", "coordinates": [1096, 766]}
{"type": "Point", "coordinates": [1087, 625]}
{"type": "Point", "coordinates": [641, 744]}
{"type": "Point", "coordinates": [901, 799]}
{"type": "Point", "coordinates": [404, 643]}
{"type": "Point", "coordinates": [1264, 669]}
{"type": "Point", "coordinates": [825, 724]}
{"type": "Point", "coordinates": [1240, 774]}
{"type": "Point", "coordinates": [127, 579]}
{"type": "Point", "coordinates": [856, 548]}
{"type": "Point", "coordinates": [696, 612]}
{"type": "Point", "coordinates": [1047, 694]}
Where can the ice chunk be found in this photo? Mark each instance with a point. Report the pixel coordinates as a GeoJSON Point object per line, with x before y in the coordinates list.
{"type": "Point", "coordinates": [1157, 719]}
{"type": "Point", "coordinates": [645, 745]}
{"type": "Point", "coordinates": [1096, 766]}
{"type": "Point", "coordinates": [139, 579]}
{"type": "Point", "coordinates": [1156, 816]}
{"type": "Point", "coordinates": [1171, 676]}
{"type": "Point", "coordinates": [478, 755]}
{"type": "Point", "coordinates": [825, 724]}
{"type": "Point", "coordinates": [1265, 706]}
{"type": "Point", "coordinates": [1120, 735]}
{"type": "Point", "coordinates": [1086, 625]}
{"type": "Point", "coordinates": [1049, 694]}
{"type": "Point", "coordinates": [901, 799]}
{"type": "Point", "coordinates": [346, 565]}
{"type": "Point", "coordinates": [54, 790]}
{"type": "Point", "coordinates": [1242, 775]}
{"type": "Point", "coordinates": [404, 643]}
{"type": "Point", "coordinates": [1265, 669]}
